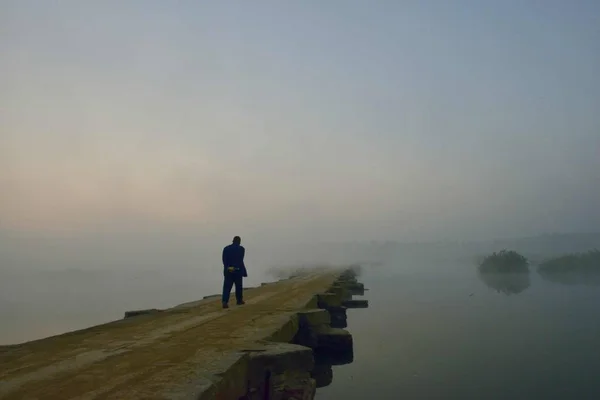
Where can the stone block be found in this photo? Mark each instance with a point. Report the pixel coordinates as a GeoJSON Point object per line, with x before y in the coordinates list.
{"type": "Point", "coordinates": [276, 367]}
{"type": "Point", "coordinates": [346, 281]}
{"type": "Point", "coordinates": [327, 300]}
{"type": "Point", "coordinates": [338, 317]}
{"type": "Point", "coordinates": [323, 356]}
{"type": "Point", "coordinates": [339, 323]}
{"type": "Point", "coordinates": [312, 303]}
{"type": "Point", "coordinates": [287, 331]}
{"type": "Point", "coordinates": [334, 340]}
{"type": "Point", "coordinates": [322, 374]}
{"type": "Point", "coordinates": [225, 377]}
{"type": "Point", "coordinates": [309, 322]}
{"type": "Point", "coordinates": [278, 358]}
{"type": "Point", "coordinates": [356, 303]}
{"type": "Point", "coordinates": [314, 318]}
{"type": "Point", "coordinates": [340, 291]}
{"type": "Point", "coordinates": [281, 371]}
{"type": "Point", "coordinates": [356, 292]}
{"type": "Point", "coordinates": [293, 386]}
{"type": "Point", "coordinates": [307, 337]}
{"type": "Point", "coordinates": [355, 286]}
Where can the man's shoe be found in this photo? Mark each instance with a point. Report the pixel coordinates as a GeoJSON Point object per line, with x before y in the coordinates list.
{"type": "Point", "coordinates": [225, 305]}
{"type": "Point", "coordinates": [239, 303]}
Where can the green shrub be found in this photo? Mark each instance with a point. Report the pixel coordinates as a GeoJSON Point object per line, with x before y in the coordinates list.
{"type": "Point", "coordinates": [576, 262]}
{"type": "Point", "coordinates": [504, 261]}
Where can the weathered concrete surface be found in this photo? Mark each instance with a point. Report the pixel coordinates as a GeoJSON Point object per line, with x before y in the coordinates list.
{"type": "Point", "coordinates": [193, 351]}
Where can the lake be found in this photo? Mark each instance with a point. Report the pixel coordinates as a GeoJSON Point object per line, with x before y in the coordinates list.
{"type": "Point", "coordinates": [440, 332]}
{"type": "Point", "coordinates": [432, 330]}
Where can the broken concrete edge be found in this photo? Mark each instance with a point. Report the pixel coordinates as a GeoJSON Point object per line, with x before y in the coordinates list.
{"type": "Point", "coordinates": [276, 368]}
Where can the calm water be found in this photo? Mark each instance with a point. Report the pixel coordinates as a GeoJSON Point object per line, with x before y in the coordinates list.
{"type": "Point", "coordinates": [439, 332]}
{"type": "Point", "coordinates": [431, 331]}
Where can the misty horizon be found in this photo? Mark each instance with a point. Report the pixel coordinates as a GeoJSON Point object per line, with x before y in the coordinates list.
{"type": "Point", "coordinates": [411, 121]}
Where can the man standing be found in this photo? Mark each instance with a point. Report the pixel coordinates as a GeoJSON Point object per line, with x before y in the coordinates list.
{"type": "Point", "coordinates": [234, 271]}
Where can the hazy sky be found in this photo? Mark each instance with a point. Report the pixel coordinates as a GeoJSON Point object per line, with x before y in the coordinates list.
{"type": "Point", "coordinates": [306, 119]}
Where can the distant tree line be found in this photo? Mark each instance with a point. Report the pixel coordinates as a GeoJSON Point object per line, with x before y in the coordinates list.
{"type": "Point", "coordinates": [575, 262]}
{"type": "Point", "coordinates": [510, 261]}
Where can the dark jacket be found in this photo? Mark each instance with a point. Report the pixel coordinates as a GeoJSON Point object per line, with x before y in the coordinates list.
{"type": "Point", "coordinates": [233, 256]}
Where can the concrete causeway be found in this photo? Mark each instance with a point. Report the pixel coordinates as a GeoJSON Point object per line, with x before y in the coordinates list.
{"type": "Point", "coordinates": [265, 349]}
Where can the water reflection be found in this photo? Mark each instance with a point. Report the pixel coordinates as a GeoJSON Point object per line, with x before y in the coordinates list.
{"type": "Point", "coordinates": [572, 278]}
{"type": "Point", "coordinates": [506, 283]}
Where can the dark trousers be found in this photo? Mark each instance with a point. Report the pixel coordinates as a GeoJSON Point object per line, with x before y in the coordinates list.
{"type": "Point", "coordinates": [231, 279]}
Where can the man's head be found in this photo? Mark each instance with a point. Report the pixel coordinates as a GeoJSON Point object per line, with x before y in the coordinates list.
{"type": "Point", "coordinates": [237, 240]}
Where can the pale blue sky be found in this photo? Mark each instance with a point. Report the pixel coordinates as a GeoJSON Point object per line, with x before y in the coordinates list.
{"type": "Point", "coordinates": [406, 120]}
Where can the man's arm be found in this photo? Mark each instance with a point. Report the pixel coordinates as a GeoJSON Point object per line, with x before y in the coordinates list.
{"type": "Point", "coordinates": [224, 257]}
{"type": "Point", "coordinates": [245, 272]}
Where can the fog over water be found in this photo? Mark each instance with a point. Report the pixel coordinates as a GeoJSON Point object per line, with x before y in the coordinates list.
{"type": "Point", "coordinates": [436, 329]}
{"type": "Point", "coordinates": [53, 286]}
